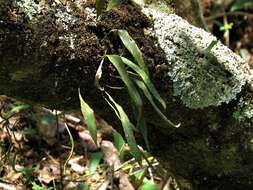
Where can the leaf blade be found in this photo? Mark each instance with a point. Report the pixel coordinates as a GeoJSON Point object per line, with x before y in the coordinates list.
{"type": "Point", "coordinates": [100, 4]}
{"type": "Point", "coordinates": [132, 47]}
{"type": "Point", "coordinates": [94, 161]}
{"type": "Point", "coordinates": [89, 118]}
{"type": "Point", "coordinates": [149, 97]}
{"type": "Point", "coordinates": [119, 144]}
{"type": "Point", "coordinates": [146, 80]}
{"type": "Point", "coordinates": [128, 129]}
{"type": "Point", "coordinates": [119, 65]}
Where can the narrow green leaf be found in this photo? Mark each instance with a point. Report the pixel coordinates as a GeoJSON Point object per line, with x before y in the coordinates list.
{"type": "Point", "coordinates": [118, 141]}
{"type": "Point", "coordinates": [99, 75]}
{"type": "Point", "coordinates": [89, 118]}
{"type": "Point", "coordinates": [38, 187]}
{"type": "Point", "coordinates": [132, 47]}
{"type": "Point", "coordinates": [120, 66]}
{"type": "Point", "coordinates": [94, 161]}
{"type": "Point", "coordinates": [82, 186]}
{"type": "Point", "coordinates": [128, 129]}
{"type": "Point", "coordinates": [100, 4]}
{"type": "Point", "coordinates": [144, 131]}
{"type": "Point", "coordinates": [149, 185]}
{"type": "Point", "coordinates": [133, 92]}
{"type": "Point", "coordinates": [146, 80]}
{"type": "Point", "coordinates": [241, 4]}
{"type": "Point", "coordinates": [210, 46]}
{"type": "Point", "coordinates": [119, 144]}
{"type": "Point", "coordinates": [19, 107]}
{"type": "Point", "coordinates": [112, 4]}
{"type": "Point", "coordinates": [149, 97]}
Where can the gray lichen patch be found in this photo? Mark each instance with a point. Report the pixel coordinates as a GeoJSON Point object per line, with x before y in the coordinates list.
{"type": "Point", "coordinates": [63, 15]}
{"type": "Point", "coordinates": [244, 109]}
{"type": "Point", "coordinates": [30, 7]}
{"type": "Point", "coordinates": [201, 76]}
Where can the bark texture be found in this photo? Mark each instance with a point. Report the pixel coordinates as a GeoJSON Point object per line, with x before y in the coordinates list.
{"type": "Point", "coordinates": [48, 49]}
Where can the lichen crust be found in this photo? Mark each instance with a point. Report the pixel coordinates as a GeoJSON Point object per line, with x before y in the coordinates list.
{"type": "Point", "coordinates": [202, 76]}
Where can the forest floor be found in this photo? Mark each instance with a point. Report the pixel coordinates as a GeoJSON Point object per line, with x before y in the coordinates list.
{"type": "Point", "coordinates": [42, 149]}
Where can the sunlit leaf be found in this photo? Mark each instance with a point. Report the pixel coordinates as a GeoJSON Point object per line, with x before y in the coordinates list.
{"type": "Point", "coordinates": [132, 47]}
{"type": "Point", "coordinates": [119, 144]}
{"type": "Point", "coordinates": [133, 92]}
{"type": "Point", "coordinates": [112, 4]}
{"type": "Point", "coordinates": [149, 185]}
{"type": "Point", "coordinates": [226, 27]}
{"type": "Point", "coordinates": [19, 107]}
{"type": "Point", "coordinates": [100, 4]}
{"type": "Point", "coordinates": [120, 66]}
{"type": "Point", "coordinates": [149, 97]}
{"type": "Point", "coordinates": [128, 129]}
{"type": "Point", "coordinates": [38, 187]}
{"type": "Point", "coordinates": [89, 118]}
{"type": "Point", "coordinates": [99, 75]}
{"type": "Point", "coordinates": [138, 176]}
{"type": "Point", "coordinates": [146, 80]}
{"type": "Point", "coordinates": [94, 161]}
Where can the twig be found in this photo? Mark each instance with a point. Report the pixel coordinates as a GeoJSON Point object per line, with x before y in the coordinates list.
{"type": "Point", "coordinates": [226, 32]}
{"type": "Point", "coordinates": [72, 148]}
{"type": "Point", "coordinates": [7, 186]}
{"type": "Point", "coordinates": [150, 164]}
{"type": "Point", "coordinates": [236, 13]}
{"type": "Point", "coordinates": [58, 139]}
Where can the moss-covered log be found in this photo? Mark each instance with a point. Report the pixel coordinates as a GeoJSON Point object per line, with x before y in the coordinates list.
{"type": "Point", "coordinates": [49, 49]}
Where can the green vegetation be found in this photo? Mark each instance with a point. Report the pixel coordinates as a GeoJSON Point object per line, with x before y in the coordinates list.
{"type": "Point", "coordinates": [46, 149]}
{"type": "Point", "coordinates": [137, 80]}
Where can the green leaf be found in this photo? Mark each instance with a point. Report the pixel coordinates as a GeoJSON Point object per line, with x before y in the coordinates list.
{"type": "Point", "coordinates": [94, 161]}
{"type": "Point", "coordinates": [47, 119]}
{"type": "Point", "coordinates": [149, 185]}
{"type": "Point", "coordinates": [28, 171]}
{"type": "Point", "coordinates": [89, 118]}
{"type": "Point", "coordinates": [132, 47]}
{"type": "Point", "coordinates": [38, 187]}
{"type": "Point", "coordinates": [128, 129]}
{"type": "Point", "coordinates": [144, 131]}
{"type": "Point", "coordinates": [119, 144]}
{"type": "Point", "coordinates": [149, 97]}
{"type": "Point", "coordinates": [19, 107]}
{"type": "Point", "coordinates": [210, 46]}
{"type": "Point", "coordinates": [118, 141]}
{"type": "Point", "coordinates": [226, 27]}
{"type": "Point", "coordinates": [31, 132]}
{"type": "Point", "coordinates": [112, 4]}
{"type": "Point", "coordinates": [133, 92]}
{"type": "Point", "coordinates": [82, 186]}
{"type": "Point", "coordinates": [120, 66]}
{"type": "Point", "coordinates": [100, 4]}
{"type": "Point", "coordinates": [146, 80]}
{"type": "Point", "coordinates": [241, 4]}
